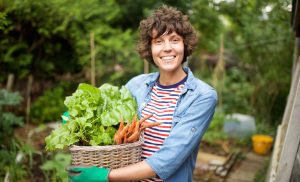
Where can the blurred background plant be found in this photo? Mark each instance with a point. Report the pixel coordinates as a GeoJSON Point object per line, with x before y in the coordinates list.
{"type": "Point", "coordinates": [9, 146]}
{"type": "Point", "coordinates": [8, 118]}
{"type": "Point", "coordinates": [54, 168]}
{"type": "Point", "coordinates": [50, 40]}
{"type": "Point", "coordinates": [49, 106]}
{"type": "Point", "coordinates": [245, 51]}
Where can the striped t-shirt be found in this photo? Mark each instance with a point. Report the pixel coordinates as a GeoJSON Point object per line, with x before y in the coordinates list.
{"type": "Point", "coordinates": [162, 105]}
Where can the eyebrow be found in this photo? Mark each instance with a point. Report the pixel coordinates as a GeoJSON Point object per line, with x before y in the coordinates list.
{"type": "Point", "coordinates": [176, 36]}
{"type": "Point", "coordinates": [166, 33]}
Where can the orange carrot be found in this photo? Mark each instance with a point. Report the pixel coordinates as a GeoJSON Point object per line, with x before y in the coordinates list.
{"type": "Point", "coordinates": [149, 125]}
{"type": "Point", "coordinates": [131, 132]}
{"type": "Point", "coordinates": [145, 118]}
{"type": "Point", "coordinates": [117, 138]}
{"type": "Point", "coordinates": [137, 126]}
{"type": "Point", "coordinates": [123, 132]}
{"type": "Point", "coordinates": [121, 135]}
{"type": "Point", "coordinates": [131, 128]}
{"type": "Point", "coordinates": [135, 136]}
{"type": "Point", "coordinates": [125, 138]}
{"type": "Point", "coordinates": [121, 125]}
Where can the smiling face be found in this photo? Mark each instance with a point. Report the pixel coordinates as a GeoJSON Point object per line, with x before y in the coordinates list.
{"type": "Point", "coordinates": [167, 52]}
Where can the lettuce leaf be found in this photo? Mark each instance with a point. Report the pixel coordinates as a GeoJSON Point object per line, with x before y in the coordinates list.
{"type": "Point", "coordinates": [94, 116]}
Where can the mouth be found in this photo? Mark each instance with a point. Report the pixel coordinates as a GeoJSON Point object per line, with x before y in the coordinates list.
{"type": "Point", "coordinates": [168, 58]}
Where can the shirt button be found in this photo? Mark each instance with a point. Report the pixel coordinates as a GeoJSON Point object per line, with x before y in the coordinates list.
{"type": "Point", "coordinates": [143, 104]}
{"type": "Point", "coordinates": [193, 130]}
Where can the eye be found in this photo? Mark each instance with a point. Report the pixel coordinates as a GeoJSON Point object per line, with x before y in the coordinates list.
{"type": "Point", "coordinates": [176, 40]}
{"type": "Point", "coordinates": [157, 41]}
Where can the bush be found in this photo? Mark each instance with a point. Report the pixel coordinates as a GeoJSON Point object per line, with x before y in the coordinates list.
{"type": "Point", "coordinates": [48, 107]}
{"type": "Point", "coordinates": [9, 146]}
{"type": "Point", "coordinates": [215, 131]}
{"type": "Point", "coordinates": [8, 119]}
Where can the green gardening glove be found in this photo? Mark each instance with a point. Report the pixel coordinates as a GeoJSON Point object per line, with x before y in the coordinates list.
{"type": "Point", "coordinates": [90, 174]}
{"type": "Point", "coordinates": [65, 117]}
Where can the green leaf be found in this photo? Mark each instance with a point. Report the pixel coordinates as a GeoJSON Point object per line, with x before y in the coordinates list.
{"type": "Point", "coordinates": [94, 116]}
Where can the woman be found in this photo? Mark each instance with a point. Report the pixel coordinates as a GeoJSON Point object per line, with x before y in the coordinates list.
{"type": "Point", "coordinates": [184, 104]}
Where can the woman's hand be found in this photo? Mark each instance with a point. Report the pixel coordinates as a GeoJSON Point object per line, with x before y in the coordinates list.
{"type": "Point", "coordinates": [89, 174]}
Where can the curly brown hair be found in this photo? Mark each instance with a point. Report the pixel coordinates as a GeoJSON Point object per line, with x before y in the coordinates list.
{"type": "Point", "coordinates": [166, 19]}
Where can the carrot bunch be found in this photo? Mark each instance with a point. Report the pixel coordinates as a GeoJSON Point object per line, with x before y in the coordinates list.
{"type": "Point", "coordinates": [132, 131]}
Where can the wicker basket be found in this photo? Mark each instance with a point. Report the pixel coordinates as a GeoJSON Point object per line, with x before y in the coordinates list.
{"type": "Point", "coordinates": [110, 156]}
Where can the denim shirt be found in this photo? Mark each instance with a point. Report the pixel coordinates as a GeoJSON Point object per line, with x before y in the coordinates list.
{"type": "Point", "coordinates": [175, 161]}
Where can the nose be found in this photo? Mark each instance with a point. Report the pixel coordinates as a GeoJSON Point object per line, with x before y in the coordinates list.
{"type": "Point", "coordinates": [167, 46]}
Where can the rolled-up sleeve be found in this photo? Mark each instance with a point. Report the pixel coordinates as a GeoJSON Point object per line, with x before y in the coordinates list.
{"type": "Point", "coordinates": [185, 135]}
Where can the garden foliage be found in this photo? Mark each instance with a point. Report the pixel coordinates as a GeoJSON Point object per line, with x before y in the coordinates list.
{"type": "Point", "coordinates": [9, 147]}
{"type": "Point", "coordinates": [51, 41]}
{"type": "Point", "coordinates": [8, 119]}
{"type": "Point", "coordinates": [95, 114]}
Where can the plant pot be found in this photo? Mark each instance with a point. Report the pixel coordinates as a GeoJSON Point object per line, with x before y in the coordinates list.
{"type": "Point", "coordinates": [262, 144]}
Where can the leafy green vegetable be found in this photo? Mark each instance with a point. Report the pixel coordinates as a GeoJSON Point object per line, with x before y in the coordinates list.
{"type": "Point", "coordinates": [94, 116]}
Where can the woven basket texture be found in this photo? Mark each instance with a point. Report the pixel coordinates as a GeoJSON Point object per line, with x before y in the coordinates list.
{"type": "Point", "coordinates": [110, 156]}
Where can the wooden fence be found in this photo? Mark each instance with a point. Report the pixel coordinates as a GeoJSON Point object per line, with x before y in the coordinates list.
{"type": "Point", "coordinates": [285, 161]}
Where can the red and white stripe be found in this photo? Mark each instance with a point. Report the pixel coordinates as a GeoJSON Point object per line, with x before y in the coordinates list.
{"type": "Point", "coordinates": [162, 104]}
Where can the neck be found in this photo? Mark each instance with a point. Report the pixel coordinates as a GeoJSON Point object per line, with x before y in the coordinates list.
{"type": "Point", "coordinates": [170, 78]}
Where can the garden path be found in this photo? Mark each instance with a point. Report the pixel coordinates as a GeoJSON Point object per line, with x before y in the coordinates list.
{"type": "Point", "coordinates": [245, 169]}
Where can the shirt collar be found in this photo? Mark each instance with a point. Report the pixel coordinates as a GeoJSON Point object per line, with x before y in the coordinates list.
{"type": "Point", "coordinates": [189, 82]}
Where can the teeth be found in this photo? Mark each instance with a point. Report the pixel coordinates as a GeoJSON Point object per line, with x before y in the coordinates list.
{"type": "Point", "coordinates": [167, 57]}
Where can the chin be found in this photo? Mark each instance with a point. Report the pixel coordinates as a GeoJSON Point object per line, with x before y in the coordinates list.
{"type": "Point", "coordinates": [168, 68]}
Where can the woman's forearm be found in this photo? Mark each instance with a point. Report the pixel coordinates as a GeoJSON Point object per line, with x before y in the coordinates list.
{"type": "Point", "coordinates": [136, 171]}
